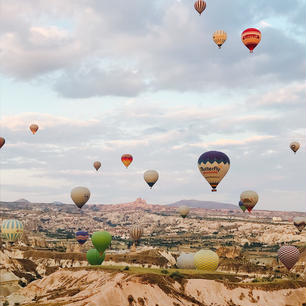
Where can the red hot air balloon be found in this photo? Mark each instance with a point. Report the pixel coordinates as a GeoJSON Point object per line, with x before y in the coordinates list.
{"type": "Point", "coordinates": [288, 255]}
{"type": "Point", "coordinates": [126, 159]}
{"type": "Point", "coordinates": [251, 38]}
{"type": "Point", "coordinates": [200, 6]}
{"type": "Point", "coordinates": [34, 128]}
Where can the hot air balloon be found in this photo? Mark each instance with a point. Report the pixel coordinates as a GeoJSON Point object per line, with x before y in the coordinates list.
{"type": "Point", "coordinates": [126, 159]}
{"type": "Point", "coordinates": [243, 208]}
{"type": "Point", "coordinates": [151, 177]}
{"type": "Point", "coordinates": [299, 223]}
{"type": "Point", "coordinates": [251, 38]}
{"type": "Point", "coordinates": [101, 240]}
{"type": "Point", "coordinates": [294, 146]}
{"type": "Point", "coordinates": [136, 232]}
{"type": "Point", "coordinates": [97, 165]}
{"type": "Point", "coordinates": [200, 6]}
{"type": "Point", "coordinates": [213, 165]}
{"type": "Point", "coordinates": [206, 260]}
{"type": "Point", "coordinates": [94, 258]}
{"type": "Point", "coordinates": [80, 195]}
{"type": "Point", "coordinates": [219, 38]}
{"type": "Point", "coordinates": [183, 211]}
{"type": "Point", "coordinates": [249, 199]}
{"type": "Point", "coordinates": [185, 261]}
{"type": "Point", "coordinates": [2, 142]}
{"type": "Point", "coordinates": [81, 236]}
{"type": "Point", "coordinates": [34, 128]}
{"type": "Point", "coordinates": [11, 229]}
{"type": "Point", "coordinates": [288, 255]}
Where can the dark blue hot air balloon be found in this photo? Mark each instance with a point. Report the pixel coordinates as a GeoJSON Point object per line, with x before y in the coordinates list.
{"type": "Point", "coordinates": [81, 236]}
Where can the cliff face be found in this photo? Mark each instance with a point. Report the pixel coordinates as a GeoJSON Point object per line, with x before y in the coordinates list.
{"type": "Point", "coordinates": [92, 287]}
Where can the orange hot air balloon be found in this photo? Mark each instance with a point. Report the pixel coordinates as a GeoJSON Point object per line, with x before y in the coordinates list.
{"type": "Point", "coordinates": [97, 165]}
{"type": "Point", "coordinates": [126, 159]}
{"type": "Point", "coordinates": [200, 6]}
{"type": "Point", "coordinates": [251, 38]}
{"type": "Point", "coordinates": [2, 142]}
{"type": "Point", "coordinates": [34, 128]}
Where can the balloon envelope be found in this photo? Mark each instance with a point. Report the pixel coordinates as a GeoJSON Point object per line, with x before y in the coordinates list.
{"type": "Point", "coordinates": [11, 229]}
{"type": "Point", "coordinates": [219, 38]}
{"type": "Point", "coordinates": [151, 177]}
{"type": "Point", "coordinates": [126, 159]}
{"type": "Point", "coordinates": [2, 142]}
{"type": "Point", "coordinates": [97, 165]}
{"type": "Point", "coordinates": [251, 38]}
{"type": "Point", "coordinates": [249, 199]}
{"type": "Point", "coordinates": [80, 195]}
{"type": "Point", "coordinates": [206, 260]}
{"type": "Point", "coordinates": [243, 208]}
{"type": "Point", "coordinates": [136, 232]}
{"type": "Point", "coordinates": [294, 146]}
{"type": "Point", "coordinates": [34, 128]}
{"type": "Point", "coordinates": [200, 6]}
{"type": "Point", "coordinates": [213, 165]}
{"type": "Point", "coordinates": [299, 223]}
{"type": "Point", "coordinates": [289, 256]}
{"type": "Point", "coordinates": [101, 240]}
{"type": "Point", "coordinates": [94, 258]}
{"type": "Point", "coordinates": [183, 211]}
{"type": "Point", "coordinates": [185, 261]}
{"type": "Point", "coordinates": [81, 236]}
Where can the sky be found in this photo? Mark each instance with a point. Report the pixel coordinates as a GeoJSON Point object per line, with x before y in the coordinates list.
{"type": "Point", "coordinates": [105, 78]}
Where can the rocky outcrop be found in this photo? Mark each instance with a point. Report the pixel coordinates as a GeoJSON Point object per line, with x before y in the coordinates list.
{"type": "Point", "coordinates": [229, 252]}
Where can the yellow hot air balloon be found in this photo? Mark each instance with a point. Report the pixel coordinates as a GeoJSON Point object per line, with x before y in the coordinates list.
{"type": "Point", "coordinates": [151, 177]}
{"type": "Point", "coordinates": [206, 260]}
{"type": "Point", "coordinates": [80, 195]}
{"type": "Point", "coordinates": [219, 38]}
{"type": "Point", "coordinates": [294, 146]}
{"type": "Point", "coordinates": [183, 211]}
{"type": "Point", "coordinates": [34, 128]}
{"type": "Point", "coordinates": [97, 165]}
{"type": "Point", "coordinates": [11, 229]}
{"type": "Point", "coordinates": [249, 199]}
{"type": "Point", "coordinates": [126, 159]}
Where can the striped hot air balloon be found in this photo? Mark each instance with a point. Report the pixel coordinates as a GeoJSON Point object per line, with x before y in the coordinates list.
{"type": "Point", "coordinates": [81, 236]}
{"type": "Point", "coordinates": [213, 165]}
{"type": "Point", "coordinates": [206, 260]}
{"type": "Point", "coordinates": [289, 256]}
{"type": "Point", "coordinates": [219, 38]}
{"type": "Point", "coordinates": [11, 229]}
{"type": "Point", "coordinates": [251, 38]}
{"type": "Point", "coordinates": [126, 159]}
{"type": "Point", "coordinates": [200, 6]}
{"type": "Point", "coordinates": [136, 232]}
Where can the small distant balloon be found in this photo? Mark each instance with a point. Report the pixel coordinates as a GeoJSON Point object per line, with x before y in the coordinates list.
{"type": "Point", "coordinates": [151, 177]}
{"type": "Point", "coordinates": [97, 165]}
{"type": "Point", "coordinates": [2, 142]}
{"type": "Point", "coordinates": [288, 255]}
{"type": "Point", "coordinates": [249, 199]}
{"type": "Point", "coordinates": [294, 146]}
{"type": "Point", "coordinates": [219, 38]}
{"type": "Point", "coordinates": [251, 38]}
{"type": "Point", "coordinates": [200, 6]}
{"type": "Point", "coordinates": [183, 211]}
{"type": "Point", "coordinates": [299, 223]}
{"type": "Point", "coordinates": [34, 128]}
{"type": "Point", "coordinates": [136, 232]}
{"type": "Point", "coordinates": [126, 159]}
{"type": "Point", "coordinates": [213, 165]}
{"type": "Point", "coordinates": [81, 236]}
{"type": "Point", "coordinates": [80, 195]}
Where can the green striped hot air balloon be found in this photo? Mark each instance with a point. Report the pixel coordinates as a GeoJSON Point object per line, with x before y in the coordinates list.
{"type": "Point", "coordinates": [11, 229]}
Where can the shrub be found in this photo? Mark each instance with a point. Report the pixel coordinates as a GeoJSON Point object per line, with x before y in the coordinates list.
{"type": "Point", "coordinates": [164, 271]}
{"type": "Point", "coordinates": [126, 268]}
{"type": "Point", "coordinates": [176, 275]}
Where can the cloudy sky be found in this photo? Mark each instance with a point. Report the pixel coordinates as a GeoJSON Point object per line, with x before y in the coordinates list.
{"type": "Point", "coordinates": [104, 78]}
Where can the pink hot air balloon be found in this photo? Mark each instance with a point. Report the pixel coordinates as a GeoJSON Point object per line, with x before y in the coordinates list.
{"type": "Point", "coordinates": [288, 255]}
